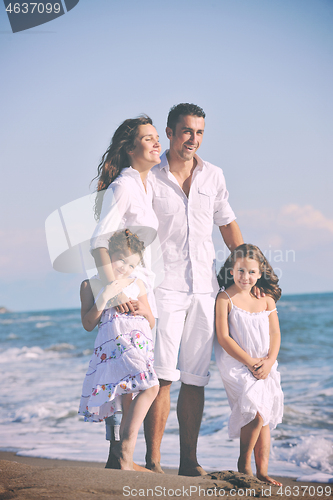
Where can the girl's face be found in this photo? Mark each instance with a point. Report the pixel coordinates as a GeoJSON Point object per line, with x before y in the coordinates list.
{"type": "Point", "coordinates": [147, 147]}
{"type": "Point", "coordinates": [246, 273]}
{"type": "Point", "coordinates": [124, 263]}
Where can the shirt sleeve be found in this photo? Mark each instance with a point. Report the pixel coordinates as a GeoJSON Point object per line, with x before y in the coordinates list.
{"type": "Point", "coordinates": [114, 207]}
{"type": "Point", "coordinates": [223, 213]}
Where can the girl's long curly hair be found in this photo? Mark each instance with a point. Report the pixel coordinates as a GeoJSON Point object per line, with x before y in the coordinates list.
{"type": "Point", "coordinates": [268, 282]}
{"type": "Point", "coordinates": [126, 242]}
{"type": "Point", "coordinates": [116, 156]}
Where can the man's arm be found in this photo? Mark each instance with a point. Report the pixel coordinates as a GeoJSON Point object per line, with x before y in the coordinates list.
{"type": "Point", "coordinates": [231, 235]}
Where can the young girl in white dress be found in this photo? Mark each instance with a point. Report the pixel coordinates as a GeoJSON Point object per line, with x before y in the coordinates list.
{"type": "Point", "coordinates": [122, 362]}
{"type": "Point", "coordinates": [248, 336]}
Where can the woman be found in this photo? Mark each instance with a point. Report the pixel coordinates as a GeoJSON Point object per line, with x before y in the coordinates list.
{"type": "Point", "coordinates": [124, 196]}
{"type": "Point", "coordinates": [124, 199]}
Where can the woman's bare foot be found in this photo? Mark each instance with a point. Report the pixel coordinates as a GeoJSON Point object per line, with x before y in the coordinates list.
{"type": "Point", "coordinates": [244, 467]}
{"type": "Point", "coordinates": [269, 480]}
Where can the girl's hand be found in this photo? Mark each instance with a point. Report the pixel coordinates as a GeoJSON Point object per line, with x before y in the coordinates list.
{"type": "Point", "coordinates": [253, 366]}
{"type": "Point", "coordinates": [118, 298]}
{"type": "Point", "coordinates": [263, 369]}
{"type": "Point", "coordinates": [112, 290]}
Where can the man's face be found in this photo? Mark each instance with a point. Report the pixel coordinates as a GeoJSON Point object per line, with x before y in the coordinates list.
{"type": "Point", "coordinates": [187, 138]}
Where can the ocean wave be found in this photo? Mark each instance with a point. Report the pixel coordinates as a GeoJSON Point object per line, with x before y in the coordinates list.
{"type": "Point", "coordinates": [43, 325]}
{"type": "Point", "coordinates": [45, 411]}
{"type": "Point", "coordinates": [26, 353]}
{"type": "Point", "coordinates": [311, 451]}
{"type": "Point", "coordinates": [30, 319]}
{"type": "Point", "coordinates": [12, 336]}
{"type": "Point", "coordinates": [60, 347]}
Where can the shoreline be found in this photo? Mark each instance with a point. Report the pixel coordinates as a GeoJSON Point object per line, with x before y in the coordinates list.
{"type": "Point", "coordinates": [30, 478]}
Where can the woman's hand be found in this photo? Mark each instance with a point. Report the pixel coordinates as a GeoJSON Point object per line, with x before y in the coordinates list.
{"type": "Point", "coordinates": [139, 309]}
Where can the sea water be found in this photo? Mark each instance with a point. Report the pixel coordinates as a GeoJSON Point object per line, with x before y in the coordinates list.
{"type": "Point", "coordinates": [44, 357]}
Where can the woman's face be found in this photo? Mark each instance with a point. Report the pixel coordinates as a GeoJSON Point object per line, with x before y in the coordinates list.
{"type": "Point", "coordinates": [147, 149]}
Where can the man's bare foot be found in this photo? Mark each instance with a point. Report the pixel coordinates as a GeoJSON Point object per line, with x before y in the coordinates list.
{"type": "Point", "coordinates": [269, 480]}
{"type": "Point", "coordinates": [154, 467]}
{"type": "Point", "coordinates": [243, 467]}
{"type": "Point", "coordinates": [192, 471]}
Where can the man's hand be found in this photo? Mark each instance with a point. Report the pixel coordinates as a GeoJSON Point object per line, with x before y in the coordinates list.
{"type": "Point", "coordinates": [257, 292]}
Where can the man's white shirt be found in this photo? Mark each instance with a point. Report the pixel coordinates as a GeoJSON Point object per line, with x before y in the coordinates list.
{"type": "Point", "coordinates": [186, 224]}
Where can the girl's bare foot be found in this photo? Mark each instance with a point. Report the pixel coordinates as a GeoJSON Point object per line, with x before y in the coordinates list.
{"type": "Point", "coordinates": [244, 467]}
{"type": "Point", "coordinates": [119, 458]}
{"type": "Point", "coordinates": [140, 468]}
{"type": "Point", "coordinates": [154, 467]}
{"type": "Point", "coordinates": [267, 479]}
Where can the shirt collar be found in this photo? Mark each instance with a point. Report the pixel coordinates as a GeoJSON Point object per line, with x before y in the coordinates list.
{"type": "Point", "coordinates": [165, 164]}
{"type": "Point", "coordinates": [134, 174]}
{"type": "Point", "coordinates": [130, 171]}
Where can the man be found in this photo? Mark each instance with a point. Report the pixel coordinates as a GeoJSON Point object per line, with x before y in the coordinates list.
{"type": "Point", "coordinates": [189, 196]}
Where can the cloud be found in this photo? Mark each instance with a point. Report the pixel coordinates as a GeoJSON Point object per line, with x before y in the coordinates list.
{"type": "Point", "coordinates": [305, 217]}
{"type": "Point", "coordinates": [295, 239]}
{"type": "Point", "coordinates": [292, 226]}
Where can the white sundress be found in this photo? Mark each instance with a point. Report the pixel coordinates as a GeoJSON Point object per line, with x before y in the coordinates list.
{"type": "Point", "coordinates": [122, 361]}
{"type": "Point", "coordinates": [247, 395]}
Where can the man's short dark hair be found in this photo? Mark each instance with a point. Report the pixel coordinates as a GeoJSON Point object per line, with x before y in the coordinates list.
{"type": "Point", "coordinates": [183, 109]}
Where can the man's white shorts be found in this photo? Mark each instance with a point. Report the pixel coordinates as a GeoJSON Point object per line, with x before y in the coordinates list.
{"type": "Point", "coordinates": [185, 333]}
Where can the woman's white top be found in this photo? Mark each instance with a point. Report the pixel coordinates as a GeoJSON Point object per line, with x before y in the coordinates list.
{"type": "Point", "coordinates": [127, 204]}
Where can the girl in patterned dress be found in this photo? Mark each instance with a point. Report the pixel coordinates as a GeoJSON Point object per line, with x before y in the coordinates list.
{"type": "Point", "coordinates": [122, 362]}
{"type": "Point", "coordinates": [248, 336]}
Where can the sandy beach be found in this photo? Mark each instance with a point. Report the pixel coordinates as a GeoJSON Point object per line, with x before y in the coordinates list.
{"type": "Point", "coordinates": [27, 478]}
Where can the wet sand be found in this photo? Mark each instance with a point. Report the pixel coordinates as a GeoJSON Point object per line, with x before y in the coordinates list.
{"type": "Point", "coordinates": [28, 478]}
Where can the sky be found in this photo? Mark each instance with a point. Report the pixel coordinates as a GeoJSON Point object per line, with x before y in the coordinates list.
{"type": "Point", "coordinates": [262, 71]}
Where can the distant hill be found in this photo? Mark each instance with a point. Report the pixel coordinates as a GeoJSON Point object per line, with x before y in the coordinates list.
{"type": "Point", "coordinates": [4, 310]}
